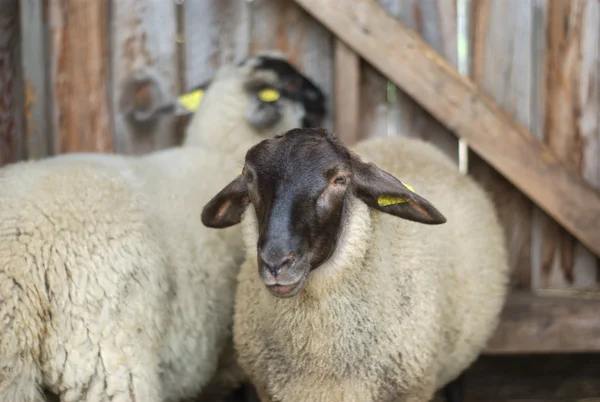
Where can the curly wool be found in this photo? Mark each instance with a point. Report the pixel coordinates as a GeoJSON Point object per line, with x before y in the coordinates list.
{"type": "Point", "coordinates": [110, 286]}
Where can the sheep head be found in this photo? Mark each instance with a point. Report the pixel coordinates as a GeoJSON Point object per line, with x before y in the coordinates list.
{"type": "Point", "coordinates": [272, 88]}
{"type": "Point", "coordinates": [300, 184]}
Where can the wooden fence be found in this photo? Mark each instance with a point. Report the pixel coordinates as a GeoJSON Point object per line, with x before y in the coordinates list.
{"type": "Point", "coordinates": [71, 71]}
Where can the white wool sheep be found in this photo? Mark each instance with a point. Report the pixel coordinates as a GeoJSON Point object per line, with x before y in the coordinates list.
{"type": "Point", "coordinates": [110, 287]}
{"type": "Point", "coordinates": [338, 299]}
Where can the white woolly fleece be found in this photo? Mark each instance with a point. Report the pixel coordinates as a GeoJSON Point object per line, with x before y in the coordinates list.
{"type": "Point", "coordinates": [110, 286]}
{"type": "Point", "coordinates": [399, 310]}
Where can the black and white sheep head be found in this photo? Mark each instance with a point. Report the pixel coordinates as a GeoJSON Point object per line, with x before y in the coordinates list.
{"type": "Point", "coordinates": [300, 184]}
{"type": "Point", "coordinates": [279, 96]}
{"type": "Point", "coordinates": [274, 84]}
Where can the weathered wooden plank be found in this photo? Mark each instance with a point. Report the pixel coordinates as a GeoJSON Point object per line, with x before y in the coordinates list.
{"type": "Point", "coordinates": [541, 324]}
{"type": "Point", "coordinates": [144, 74]}
{"type": "Point", "coordinates": [374, 108]}
{"type": "Point", "coordinates": [435, 21]}
{"type": "Point", "coordinates": [11, 133]}
{"type": "Point", "coordinates": [35, 64]}
{"type": "Point", "coordinates": [282, 25]}
{"type": "Point", "coordinates": [79, 66]}
{"type": "Point", "coordinates": [347, 93]}
{"type": "Point", "coordinates": [217, 32]}
{"type": "Point", "coordinates": [458, 103]}
{"type": "Point", "coordinates": [571, 124]}
{"type": "Point", "coordinates": [502, 68]}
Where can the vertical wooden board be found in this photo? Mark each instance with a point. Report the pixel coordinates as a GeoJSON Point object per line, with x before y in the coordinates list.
{"type": "Point", "coordinates": [144, 74]}
{"type": "Point", "coordinates": [11, 134]}
{"type": "Point", "coordinates": [35, 64]}
{"type": "Point", "coordinates": [79, 67]}
{"type": "Point", "coordinates": [285, 26]}
{"type": "Point", "coordinates": [374, 108]}
{"type": "Point", "coordinates": [435, 21]}
{"type": "Point", "coordinates": [216, 33]}
{"type": "Point", "coordinates": [589, 97]}
{"type": "Point", "coordinates": [570, 129]}
{"type": "Point", "coordinates": [347, 86]}
{"type": "Point", "coordinates": [501, 66]}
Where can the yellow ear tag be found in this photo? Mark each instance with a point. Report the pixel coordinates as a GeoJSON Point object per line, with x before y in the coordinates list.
{"type": "Point", "coordinates": [191, 100]}
{"type": "Point", "coordinates": [268, 95]}
{"type": "Point", "coordinates": [384, 201]}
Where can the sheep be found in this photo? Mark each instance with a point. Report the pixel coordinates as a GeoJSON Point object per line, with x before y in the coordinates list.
{"type": "Point", "coordinates": [110, 287]}
{"type": "Point", "coordinates": [338, 300]}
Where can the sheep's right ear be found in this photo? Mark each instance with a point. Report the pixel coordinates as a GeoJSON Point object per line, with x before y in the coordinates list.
{"type": "Point", "coordinates": [382, 191]}
{"type": "Point", "coordinates": [227, 207]}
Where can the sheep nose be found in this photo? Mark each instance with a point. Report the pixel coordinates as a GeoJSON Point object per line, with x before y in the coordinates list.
{"type": "Point", "coordinates": [276, 265]}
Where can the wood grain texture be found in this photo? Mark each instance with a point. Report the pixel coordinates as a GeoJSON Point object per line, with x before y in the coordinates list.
{"type": "Point", "coordinates": [11, 130]}
{"type": "Point", "coordinates": [457, 102]}
{"type": "Point", "coordinates": [347, 93]}
{"type": "Point", "coordinates": [217, 32]}
{"type": "Point", "coordinates": [570, 129]}
{"type": "Point", "coordinates": [144, 74]}
{"type": "Point", "coordinates": [79, 67]}
{"type": "Point", "coordinates": [283, 25]}
{"type": "Point", "coordinates": [543, 324]}
{"type": "Point", "coordinates": [435, 22]}
{"type": "Point", "coordinates": [375, 108]}
{"type": "Point", "coordinates": [502, 68]}
{"type": "Point", "coordinates": [34, 45]}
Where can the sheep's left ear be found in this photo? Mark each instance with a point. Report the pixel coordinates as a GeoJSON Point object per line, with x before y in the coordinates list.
{"type": "Point", "coordinates": [227, 207]}
{"type": "Point", "coordinates": [382, 191]}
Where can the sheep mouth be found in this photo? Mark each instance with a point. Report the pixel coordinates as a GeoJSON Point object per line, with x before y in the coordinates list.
{"type": "Point", "coordinates": [288, 290]}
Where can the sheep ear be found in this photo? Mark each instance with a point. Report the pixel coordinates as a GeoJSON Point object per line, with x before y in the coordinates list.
{"type": "Point", "coordinates": [227, 207]}
{"type": "Point", "coordinates": [382, 191]}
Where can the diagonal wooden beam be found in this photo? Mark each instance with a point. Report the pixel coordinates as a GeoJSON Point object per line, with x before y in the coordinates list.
{"type": "Point", "coordinates": [460, 105]}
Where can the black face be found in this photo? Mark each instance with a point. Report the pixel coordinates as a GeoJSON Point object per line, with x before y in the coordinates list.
{"type": "Point", "coordinates": [299, 184]}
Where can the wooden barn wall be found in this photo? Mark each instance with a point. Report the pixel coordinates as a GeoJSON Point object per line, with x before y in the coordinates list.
{"type": "Point", "coordinates": [91, 76]}
{"type": "Point", "coordinates": [12, 138]}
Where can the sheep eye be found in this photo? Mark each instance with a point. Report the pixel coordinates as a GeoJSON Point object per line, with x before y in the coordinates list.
{"type": "Point", "coordinates": [340, 180]}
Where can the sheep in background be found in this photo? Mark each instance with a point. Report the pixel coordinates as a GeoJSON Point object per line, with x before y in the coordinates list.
{"type": "Point", "coordinates": [110, 287]}
{"type": "Point", "coordinates": [338, 300]}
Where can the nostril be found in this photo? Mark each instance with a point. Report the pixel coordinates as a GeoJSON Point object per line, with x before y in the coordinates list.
{"type": "Point", "coordinates": [275, 267]}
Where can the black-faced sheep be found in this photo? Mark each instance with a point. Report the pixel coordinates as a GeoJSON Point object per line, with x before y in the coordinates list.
{"type": "Point", "coordinates": [355, 286]}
